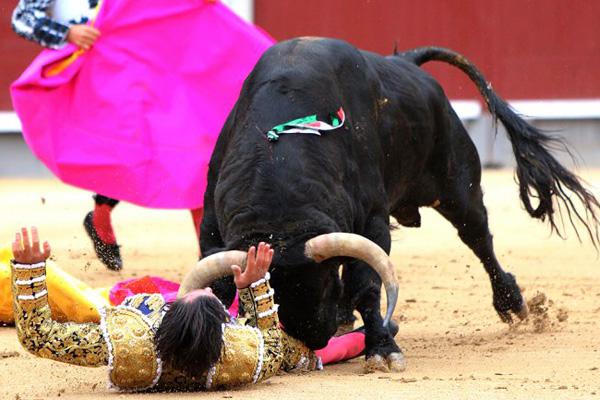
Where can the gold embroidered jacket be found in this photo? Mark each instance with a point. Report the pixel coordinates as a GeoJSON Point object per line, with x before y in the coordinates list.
{"type": "Point", "coordinates": [124, 340]}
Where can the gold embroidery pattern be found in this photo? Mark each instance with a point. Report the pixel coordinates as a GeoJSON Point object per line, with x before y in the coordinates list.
{"type": "Point", "coordinates": [153, 302]}
{"type": "Point", "coordinates": [292, 355]}
{"type": "Point", "coordinates": [272, 356]}
{"type": "Point", "coordinates": [239, 357]}
{"type": "Point", "coordinates": [261, 313]}
{"type": "Point", "coordinates": [135, 364]}
{"type": "Point", "coordinates": [248, 306]}
{"type": "Point", "coordinates": [125, 340]}
{"type": "Point", "coordinates": [296, 356]}
{"type": "Point", "coordinates": [80, 344]}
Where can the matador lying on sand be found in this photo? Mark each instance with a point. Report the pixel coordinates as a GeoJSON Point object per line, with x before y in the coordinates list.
{"type": "Point", "coordinates": [190, 344]}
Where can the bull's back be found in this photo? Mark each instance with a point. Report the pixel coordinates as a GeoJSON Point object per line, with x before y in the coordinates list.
{"type": "Point", "coordinates": [412, 116]}
{"type": "Point", "coordinates": [383, 146]}
{"type": "Point", "coordinates": [300, 181]}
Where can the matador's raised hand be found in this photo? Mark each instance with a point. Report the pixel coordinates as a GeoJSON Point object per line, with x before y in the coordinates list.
{"type": "Point", "coordinates": [257, 265]}
{"type": "Point", "coordinates": [25, 252]}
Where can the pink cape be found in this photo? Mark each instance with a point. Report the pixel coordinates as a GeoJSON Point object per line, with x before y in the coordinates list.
{"type": "Point", "coordinates": [136, 117]}
{"type": "Point", "coordinates": [153, 284]}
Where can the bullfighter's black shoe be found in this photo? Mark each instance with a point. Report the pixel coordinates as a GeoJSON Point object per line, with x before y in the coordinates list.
{"type": "Point", "coordinates": [109, 254]}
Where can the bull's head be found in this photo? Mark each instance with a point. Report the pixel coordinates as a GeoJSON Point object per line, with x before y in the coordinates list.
{"type": "Point", "coordinates": [318, 249]}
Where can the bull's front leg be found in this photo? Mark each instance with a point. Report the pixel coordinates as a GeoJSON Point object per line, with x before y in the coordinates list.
{"type": "Point", "coordinates": [381, 351]}
{"type": "Point", "coordinates": [362, 286]}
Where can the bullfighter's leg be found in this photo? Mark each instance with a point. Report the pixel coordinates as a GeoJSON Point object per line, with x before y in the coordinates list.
{"type": "Point", "coordinates": [99, 228]}
{"type": "Point", "coordinates": [463, 206]}
{"type": "Point", "coordinates": [362, 288]}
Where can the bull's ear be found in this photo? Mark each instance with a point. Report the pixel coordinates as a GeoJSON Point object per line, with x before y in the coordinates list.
{"type": "Point", "coordinates": [395, 48]}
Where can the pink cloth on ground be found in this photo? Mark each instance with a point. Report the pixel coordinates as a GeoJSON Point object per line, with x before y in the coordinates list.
{"type": "Point", "coordinates": [153, 284]}
{"type": "Point", "coordinates": [146, 284]}
{"type": "Point", "coordinates": [341, 348]}
{"type": "Point", "coordinates": [136, 117]}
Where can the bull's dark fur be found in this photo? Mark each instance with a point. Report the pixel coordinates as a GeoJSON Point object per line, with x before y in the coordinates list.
{"type": "Point", "coordinates": [401, 148]}
{"type": "Point", "coordinates": [539, 174]}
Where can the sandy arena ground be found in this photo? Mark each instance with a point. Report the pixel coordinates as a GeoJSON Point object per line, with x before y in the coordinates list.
{"type": "Point", "coordinates": [455, 344]}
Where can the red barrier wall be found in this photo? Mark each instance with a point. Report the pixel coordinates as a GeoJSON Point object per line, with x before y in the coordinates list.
{"type": "Point", "coordinates": [15, 53]}
{"type": "Point", "coordinates": [526, 48]}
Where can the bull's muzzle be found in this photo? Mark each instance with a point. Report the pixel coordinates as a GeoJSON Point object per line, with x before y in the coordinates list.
{"type": "Point", "coordinates": [339, 244]}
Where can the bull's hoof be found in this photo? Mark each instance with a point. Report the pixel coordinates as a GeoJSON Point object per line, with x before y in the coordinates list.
{"type": "Point", "coordinates": [521, 313]}
{"type": "Point", "coordinates": [508, 300]}
{"type": "Point", "coordinates": [376, 363]}
{"type": "Point", "coordinates": [394, 362]}
{"type": "Point", "coordinates": [524, 313]}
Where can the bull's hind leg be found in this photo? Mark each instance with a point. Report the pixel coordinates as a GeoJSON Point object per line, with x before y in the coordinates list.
{"type": "Point", "coordinates": [464, 208]}
{"type": "Point", "coordinates": [362, 291]}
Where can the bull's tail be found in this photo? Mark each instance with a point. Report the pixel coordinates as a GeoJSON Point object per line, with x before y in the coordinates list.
{"type": "Point", "coordinates": [539, 174]}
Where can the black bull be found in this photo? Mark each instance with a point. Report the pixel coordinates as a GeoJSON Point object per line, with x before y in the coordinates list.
{"type": "Point", "coordinates": [402, 147]}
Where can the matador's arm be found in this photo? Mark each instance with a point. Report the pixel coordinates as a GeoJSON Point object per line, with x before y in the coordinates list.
{"type": "Point", "coordinates": [30, 20]}
{"type": "Point", "coordinates": [257, 301]}
{"type": "Point", "coordinates": [73, 343]}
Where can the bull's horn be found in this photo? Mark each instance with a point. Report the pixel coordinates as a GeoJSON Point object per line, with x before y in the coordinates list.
{"type": "Point", "coordinates": [211, 268]}
{"type": "Point", "coordinates": [340, 244]}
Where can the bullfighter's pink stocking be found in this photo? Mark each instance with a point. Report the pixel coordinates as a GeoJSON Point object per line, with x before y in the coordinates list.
{"type": "Point", "coordinates": [197, 214]}
{"type": "Point", "coordinates": [102, 223]}
{"type": "Point", "coordinates": [341, 348]}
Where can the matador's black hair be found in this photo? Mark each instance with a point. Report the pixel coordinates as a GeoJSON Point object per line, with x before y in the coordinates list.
{"type": "Point", "coordinates": [190, 337]}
